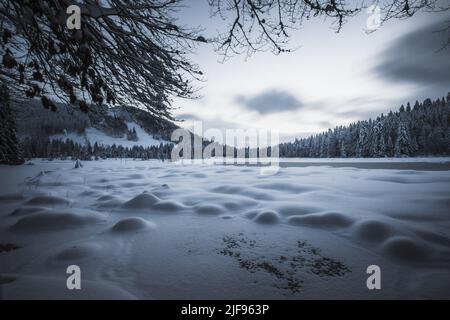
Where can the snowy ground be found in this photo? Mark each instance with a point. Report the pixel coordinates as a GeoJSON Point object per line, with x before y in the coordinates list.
{"type": "Point", "coordinates": [370, 160]}
{"type": "Point", "coordinates": [153, 230]}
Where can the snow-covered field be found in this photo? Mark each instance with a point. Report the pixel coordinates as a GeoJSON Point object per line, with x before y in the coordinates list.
{"type": "Point", "coordinates": [154, 230]}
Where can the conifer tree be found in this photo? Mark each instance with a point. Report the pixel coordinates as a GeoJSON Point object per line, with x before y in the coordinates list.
{"type": "Point", "coordinates": [10, 152]}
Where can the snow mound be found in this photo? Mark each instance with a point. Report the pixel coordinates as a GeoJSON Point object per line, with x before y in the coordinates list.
{"type": "Point", "coordinates": [56, 220]}
{"type": "Point", "coordinates": [286, 187]}
{"type": "Point", "coordinates": [109, 204]}
{"type": "Point", "coordinates": [258, 195]}
{"type": "Point", "coordinates": [297, 209]}
{"type": "Point", "coordinates": [406, 249]}
{"type": "Point", "coordinates": [267, 217]}
{"type": "Point", "coordinates": [132, 224]}
{"type": "Point", "coordinates": [168, 205]}
{"type": "Point", "coordinates": [244, 191]}
{"type": "Point", "coordinates": [372, 230]}
{"type": "Point", "coordinates": [108, 201]}
{"type": "Point", "coordinates": [143, 201]}
{"type": "Point", "coordinates": [107, 197]}
{"type": "Point", "coordinates": [135, 176]}
{"type": "Point", "coordinates": [25, 211]}
{"type": "Point", "coordinates": [200, 175]}
{"type": "Point", "coordinates": [209, 209]}
{"type": "Point", "coordinates": [329, 220]}
{"type": "Point", "coordinates": [233, 205]}
{"type": "Point", "coordinates": [78, 252]}
{"type": "Point", "coordinates": [251, 214]}
{"type": "Point", "coordinates": [146, 201]}
{"type": "Point", "coordinates": [228, 189]}
{"type": "Point", "coordinates": [238, 205]}
{"type": "Point", "coordinates": [48, 200]}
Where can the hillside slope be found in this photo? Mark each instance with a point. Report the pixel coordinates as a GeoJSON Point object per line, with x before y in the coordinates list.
{"type": "Point", "coordinates": [125, 126]}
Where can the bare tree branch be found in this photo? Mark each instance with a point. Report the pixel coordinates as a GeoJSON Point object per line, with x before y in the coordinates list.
{"type": "Point", "coordinates": [125, 53]}
{"type": "Point", "coordinates": [257, 25]}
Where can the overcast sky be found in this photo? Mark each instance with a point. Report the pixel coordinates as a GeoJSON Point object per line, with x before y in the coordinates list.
{"type": "Point", "coordinates": [332, 79]}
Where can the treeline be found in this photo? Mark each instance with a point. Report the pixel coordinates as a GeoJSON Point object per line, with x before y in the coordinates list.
{"type": "Point", "coordinates": [35, 121]}
{"type": "Point", "coordinates": [59, 149]}
{"type": "Point", "coordinates": [421, 130]}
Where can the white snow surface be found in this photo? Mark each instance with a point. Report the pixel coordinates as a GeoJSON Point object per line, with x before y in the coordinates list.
{"type": "Point", "coordinates": [94, 135]}
{"type": "Point", "coordinates": [370, 160]}
{"type": "Point", "coordinates": [154, 230]}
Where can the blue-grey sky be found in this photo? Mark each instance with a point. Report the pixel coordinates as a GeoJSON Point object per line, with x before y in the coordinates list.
{"type": "Point", "coordinates": [331, 79]}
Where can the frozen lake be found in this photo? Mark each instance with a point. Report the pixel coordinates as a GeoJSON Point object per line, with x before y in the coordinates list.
{"type": "Point", "coordinates": [422, 164]}
{"type": "Point", "coordinates": [160, 230]}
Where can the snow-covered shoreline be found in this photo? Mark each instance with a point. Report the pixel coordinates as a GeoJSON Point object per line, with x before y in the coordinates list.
{"type": "Point", "coordinates": [154, 230]}
{"type": "Point", "coordinates": [383, 160]}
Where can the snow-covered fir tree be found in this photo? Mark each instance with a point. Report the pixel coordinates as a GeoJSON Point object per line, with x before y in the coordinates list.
{"type": "Point", "coordinates": [403, 145]}
{"type": "Point", "coordinates": [363, 143]}
{"type": "Point", "coordinates": [378, 146]}
{"type": "Point", "coordinates": [423, 129]}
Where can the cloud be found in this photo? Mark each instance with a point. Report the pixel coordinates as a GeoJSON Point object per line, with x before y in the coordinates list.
{"type": "Point", "coordinates": [207, 123]}
{"type": "Point", "coordinates": [271, 101]}
{"type": "Point", "coordinates": [218, 123]}
{"type": "Point", "coordinates": [419, 57]}
{"type": "Point", "coordinates": [325, 124]}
